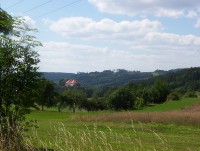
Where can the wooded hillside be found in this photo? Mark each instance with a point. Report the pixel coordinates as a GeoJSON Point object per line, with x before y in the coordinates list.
{"type": "Point", "coordinates": [105, 78]}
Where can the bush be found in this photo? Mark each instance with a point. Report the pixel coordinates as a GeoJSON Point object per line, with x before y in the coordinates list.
{"type": "Point", "coordinates": [173, 96]}
{"type": "Point", "coordinates": [122, 99]}
{"type": "Point", "coordinates": [160, 91]}
{"type": "Point", "coordinates": [95, 104]}
{"type": "Point", "coordinates": [191, 94]}
{"type": "Point", "coordinates": [139, 102]}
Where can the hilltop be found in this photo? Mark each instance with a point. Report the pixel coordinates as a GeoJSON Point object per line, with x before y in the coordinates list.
{"type": "Point", "coordinates": [104, 78]}
{"type": "Point", "coordinates": [177, 78]}
{"type": "Point", "coordinates": [180, 79]}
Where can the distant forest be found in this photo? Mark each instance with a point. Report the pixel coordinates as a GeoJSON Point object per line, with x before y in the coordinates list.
{"type": "Point", "coordinates": [179, 80]}
{"type": "Point", "coordinates": [106, 78]}
{"type": "Point", "coordinates": [117, 77]}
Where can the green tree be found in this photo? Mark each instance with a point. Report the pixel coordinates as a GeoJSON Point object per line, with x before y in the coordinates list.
{"type": "Point", "coordinates": [62, 82]}
{"type": "Point", "coordinates": [173, 96]}
{"type": "Point", "coordinates": [95, 103]}
{"type": "Point", "coordinates": [18, 75]}
{"type": "Point", "coordinates": [122, 99]}
{"type": "Point", "coordinates": [191, 94]}
{"type": "Point", "coordinates": [6, 22]}
{"type": "Point", "coordinates": [159, 91]}
{"type": "Point", "coordinates": [46, 93]}
{"type": "Point", "coordinates": [60, 100]}
{"type": "Point", "coordinates": [74, 98]}
{"type": "Point", "coordinates": [147, 96]}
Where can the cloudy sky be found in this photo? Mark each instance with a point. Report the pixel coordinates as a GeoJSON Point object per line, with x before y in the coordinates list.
{"type": "Point", "coordinates": [96, 35]}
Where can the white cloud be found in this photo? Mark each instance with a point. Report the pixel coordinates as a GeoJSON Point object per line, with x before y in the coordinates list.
{"type": "Point", "coordinates": [191, 14]}
{"type": "Point", "coordinates": [65, 57]}
{"type": "Point", "coordinates": [197, 25]}
{"type": "Point", "coordinates": [173, 39]}
{"type": "Point", "coordinates": [29, 21]}
{"type": "Point", "coordinates": [133, 45]}
{"type": "Point", "coordinates": [171, 8]}
{"type": "Point", "coordinates": [169, 13]}
{"type": "Point", "coordinates": [87, 28]}
{"type": "Point", "coordinates": [62, 56]}
{"type": "Point", "coordinates": [135, 33]}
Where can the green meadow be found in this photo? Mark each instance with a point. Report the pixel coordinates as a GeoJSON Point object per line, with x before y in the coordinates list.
{"type": "Point", "coordinates": [170, 105]}
{"type": "Point", "coordinates": [89, 131]}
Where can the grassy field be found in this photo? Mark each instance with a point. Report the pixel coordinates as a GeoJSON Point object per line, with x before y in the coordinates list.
{"type": "Point", "coordinates": [170, 105]}
{"type": "Point", "coordinates": [82, 132]}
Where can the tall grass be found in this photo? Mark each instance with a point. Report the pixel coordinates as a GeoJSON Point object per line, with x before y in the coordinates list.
{"type": "Point", "coordinates": [186, 116]}
{"type": "Point", "coordinates": [94, 139]}
{"type": "Point", "coordinates": [12, 138]}
{"type": "Point", "coordinates": [115, 131]}
{"type": "Point", "coordinates": [175, 117]}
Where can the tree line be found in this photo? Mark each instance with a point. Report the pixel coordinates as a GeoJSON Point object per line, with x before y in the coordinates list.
{"type": "Point", "coordinates": [117, 77]}
{"type": "Point", "coordinates": [127, 97]}
{"type": "Point", "coordinates": [169, 86]}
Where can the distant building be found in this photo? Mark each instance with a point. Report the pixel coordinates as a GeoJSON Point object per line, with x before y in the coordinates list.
{"type": "Point", "coordinates": [71, 82]}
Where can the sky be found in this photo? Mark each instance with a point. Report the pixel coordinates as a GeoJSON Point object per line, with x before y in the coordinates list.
{"type": "Point", "coordinates": [97, 35]}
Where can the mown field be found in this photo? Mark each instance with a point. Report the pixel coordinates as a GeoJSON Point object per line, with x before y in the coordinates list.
{"type": "Point", "coordinates": [178, 128]}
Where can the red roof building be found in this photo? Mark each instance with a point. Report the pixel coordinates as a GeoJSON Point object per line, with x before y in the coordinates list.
{"type": "Point", "coordinates": [71, 82]}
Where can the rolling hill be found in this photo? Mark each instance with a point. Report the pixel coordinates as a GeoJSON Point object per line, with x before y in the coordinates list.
{"type": "Point", "coordinates": [187, 78]}
{"type": "Point", "coordinates": [105, 78]}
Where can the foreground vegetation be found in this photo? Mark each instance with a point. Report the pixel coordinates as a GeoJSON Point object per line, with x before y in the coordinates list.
{"type": "Point", "coordinates": [108, 130]}
{"type": "Point", "coordinates": [18, 79]}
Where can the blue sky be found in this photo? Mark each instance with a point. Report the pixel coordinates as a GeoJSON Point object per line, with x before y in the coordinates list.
{"type": "Point", "coordinates": [97, 35]}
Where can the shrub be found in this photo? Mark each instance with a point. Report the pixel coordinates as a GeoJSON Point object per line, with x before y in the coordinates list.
{"type": "Point", "coordinates": [122, 99]}
{"type": "Point", "coordinates": [173, 96]}
{"type": "Point", "coordinates": [191, 94]}
{"type": "Point", "coordinates": [95, 104]}
{"type": "Point", "coordinates": [138, 103]}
